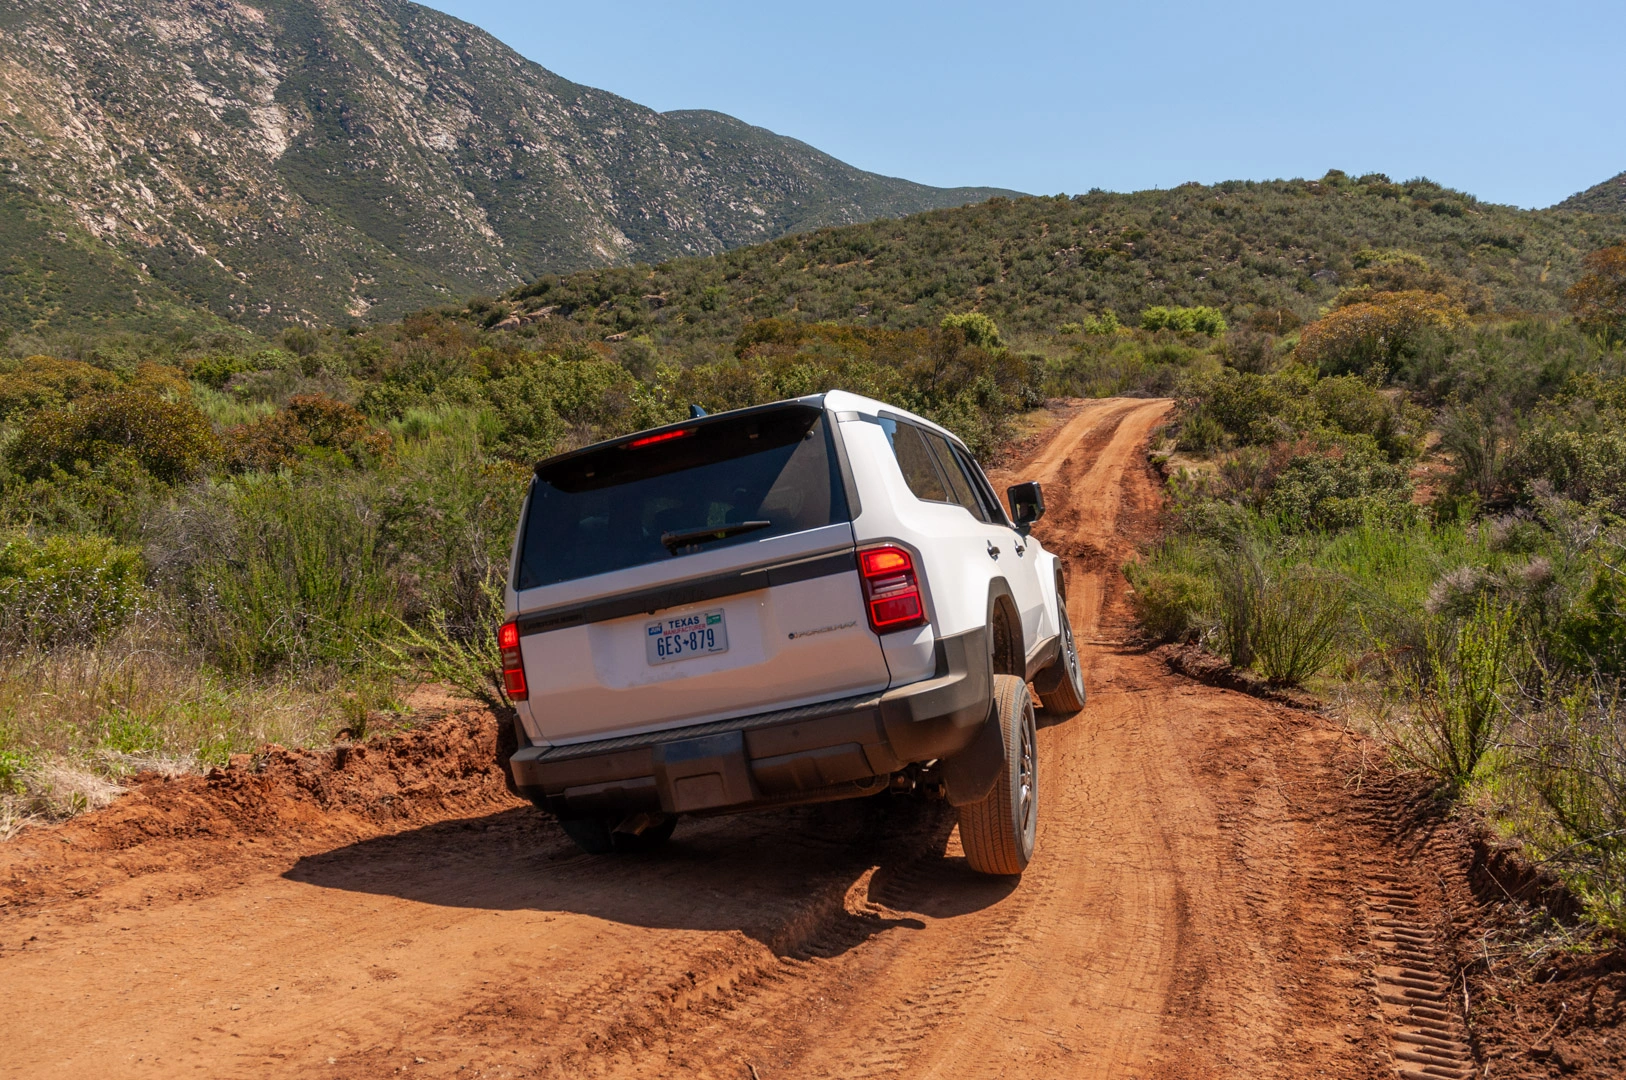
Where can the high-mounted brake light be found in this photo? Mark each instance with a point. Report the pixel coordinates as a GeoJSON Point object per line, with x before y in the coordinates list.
{"type": "Point", "coordinates": [513, 666]}
{"type": "Point", "coordinates": [662, 437]}
{"type": "Point", "coordinates": [892, 597]}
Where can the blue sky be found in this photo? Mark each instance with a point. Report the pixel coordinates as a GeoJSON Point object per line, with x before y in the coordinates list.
{"type": "Point", "coordinates": [1515, 103]}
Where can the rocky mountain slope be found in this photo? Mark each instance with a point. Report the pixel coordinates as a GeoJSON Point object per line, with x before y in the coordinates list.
{"type": "Point", "coordinates": [1607, 197]}
{"type": "Point", "coordinates": [327, 160]}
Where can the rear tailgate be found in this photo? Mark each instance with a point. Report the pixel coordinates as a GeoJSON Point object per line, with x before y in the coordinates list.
{"type": "Point", "coordinates": [764, 613]}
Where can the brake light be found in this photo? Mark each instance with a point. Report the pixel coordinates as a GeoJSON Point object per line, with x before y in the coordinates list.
{"type": "Point", "coordinates": [662, 437]}
{"type": "Point", "coordinates": [891, 589]}
{"type": "Point", "coordinates": [513, 667]}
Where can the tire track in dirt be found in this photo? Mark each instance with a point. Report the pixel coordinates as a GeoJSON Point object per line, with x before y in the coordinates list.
{"type": "Point", "coordinates": [1202, 905]}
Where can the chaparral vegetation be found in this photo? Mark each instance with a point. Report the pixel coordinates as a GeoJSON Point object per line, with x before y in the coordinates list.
{"type": "Point", "coordinates": [1397, 473]}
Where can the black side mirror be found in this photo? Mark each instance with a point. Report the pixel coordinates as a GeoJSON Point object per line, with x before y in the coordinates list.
{"type": "Point", "coordinates": [1027, 503]}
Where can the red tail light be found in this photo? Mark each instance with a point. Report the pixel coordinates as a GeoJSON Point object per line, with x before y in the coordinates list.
{"type": "Point", "coordinates": [513, 667]}
{"type": "Point", "coordinates": [891, 589]}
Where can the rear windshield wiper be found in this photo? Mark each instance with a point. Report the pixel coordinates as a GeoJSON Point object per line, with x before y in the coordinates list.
{"type": "Point", "coordinates": [674, 540]}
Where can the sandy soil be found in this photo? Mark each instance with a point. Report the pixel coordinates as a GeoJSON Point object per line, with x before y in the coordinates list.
{"type": "Point", "coordinates": [1218, 892]}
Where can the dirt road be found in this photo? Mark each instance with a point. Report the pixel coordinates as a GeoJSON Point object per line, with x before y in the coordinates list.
{"type": "Point", "coordinates": [1214, 895]}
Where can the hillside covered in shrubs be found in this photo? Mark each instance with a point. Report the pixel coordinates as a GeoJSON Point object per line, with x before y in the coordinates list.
{"type": "Point", "coordinates": [1037, 265]}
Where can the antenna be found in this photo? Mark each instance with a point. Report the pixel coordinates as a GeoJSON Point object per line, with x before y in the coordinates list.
{"type": "Point", "coordinates": [696, 412]}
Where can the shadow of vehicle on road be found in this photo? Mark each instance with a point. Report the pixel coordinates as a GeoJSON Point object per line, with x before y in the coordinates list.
{"type": "Point", "coordinates": [803, 880]}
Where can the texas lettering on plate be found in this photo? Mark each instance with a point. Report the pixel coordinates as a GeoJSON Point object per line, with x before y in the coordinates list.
{"type": "Point", "coordinates": [683, 636]}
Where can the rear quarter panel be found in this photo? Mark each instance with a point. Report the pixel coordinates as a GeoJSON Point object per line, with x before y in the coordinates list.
{"type": "Point", "coordinates": [956, 587]}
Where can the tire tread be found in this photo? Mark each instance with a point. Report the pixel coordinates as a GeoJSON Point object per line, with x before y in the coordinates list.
{"type": "Point", "coordinates": [985, 826]}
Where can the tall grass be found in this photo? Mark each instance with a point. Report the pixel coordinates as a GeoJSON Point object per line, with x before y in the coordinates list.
{"type": "Point", "coordinates": [1572, 757]}
{"type": "Point", "coordinates": [226, 410]}
{"type": "Point", "coordinates": [76, 719]}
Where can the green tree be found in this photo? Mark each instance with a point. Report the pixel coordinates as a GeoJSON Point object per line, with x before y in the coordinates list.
{"type": "Point", "coordinates": [979, 329]}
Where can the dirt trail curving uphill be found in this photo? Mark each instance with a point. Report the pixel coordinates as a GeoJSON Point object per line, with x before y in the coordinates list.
{"type": "Point", "coordinates": [1212, 897]}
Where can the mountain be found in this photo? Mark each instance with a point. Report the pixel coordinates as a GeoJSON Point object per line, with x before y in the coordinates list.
{"type": "Point", "coordinates": [1608, 197]}
{"type": "Point", "coordinates": [326, 160]}
{"type": "Point", "coordinates": [1036, 264]}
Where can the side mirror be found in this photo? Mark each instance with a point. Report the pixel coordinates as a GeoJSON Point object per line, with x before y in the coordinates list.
{"type": "Point", "coordinates": [1027, 503]}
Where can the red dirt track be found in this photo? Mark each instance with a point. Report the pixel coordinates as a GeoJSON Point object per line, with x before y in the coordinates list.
{"type": "Point", "coordinates": [1216, 893]}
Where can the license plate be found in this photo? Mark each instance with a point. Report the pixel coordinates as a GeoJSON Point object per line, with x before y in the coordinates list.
{"type": "Point", "coordinates": [683, 636]}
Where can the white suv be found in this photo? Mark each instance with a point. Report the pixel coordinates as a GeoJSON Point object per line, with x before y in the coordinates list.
{"type": "Point", "coordinates": [811, 600]}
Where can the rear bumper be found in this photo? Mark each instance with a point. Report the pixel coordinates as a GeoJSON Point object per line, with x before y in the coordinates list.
{"type": "Point", "coordinates": [836, 749]}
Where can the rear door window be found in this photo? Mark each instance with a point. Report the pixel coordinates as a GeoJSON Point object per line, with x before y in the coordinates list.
{"type": "Point", "coordinates": [958, 482]}
{"type": "Point", "coordinates": [746, 478]}
{"type": "Point", "coordinates": [919, 469]}
{"type": "Point", "coordinates": [985, 491]}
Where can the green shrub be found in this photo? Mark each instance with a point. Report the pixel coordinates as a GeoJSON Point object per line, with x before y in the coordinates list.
{"type": "Point", "coordinates": [1590, 635]}
{"type": "Point", "coordinates": [14, 767]}
{"type": "Point", "coordinates": [1339, 487]}
{"type": "Point", "coordinates": [277, 572]}
{"type": "Point", "coordinates": [1172, 604]}
{"type": "Point", "coordinates": [1458, 698]}
{"type": "Point", "coordinates": [979, 330]}
{"type": "Point", "coordinates": [1299, 615]}
{"type": "Point", "coordinates": [215, 371]}
{"type": "Point", "coordinates": [1254, 410]}
{"type": "Point", "coordinates": [65, 589]}
{"type": "Point", "coordinates": [1584, 466]}
{"type": "Point", "coordinates": [1352, 406]}
{"type": "Point", "coordinates": [1102, 325]}
{"type": "Point", "coordinates": [171, 440]}
{"type": "Point", "coordinates": [1201, 434]}
{"type": "Point", "coordinates": [1202, 320]}
{"type": "Point", "coordinates": [552, 401]}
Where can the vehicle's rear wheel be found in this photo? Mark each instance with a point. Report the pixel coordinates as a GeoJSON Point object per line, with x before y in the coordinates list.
{"type": "Point", "coordinates": [600, 835]}
{"type": "Point", "coordinates": [998, 833]}
{"type": "Point", "coordinates": [1061, 686]}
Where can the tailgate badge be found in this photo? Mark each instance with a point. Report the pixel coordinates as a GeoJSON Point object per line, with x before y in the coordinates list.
{"type": "Point", "coordinates": [822, 629]}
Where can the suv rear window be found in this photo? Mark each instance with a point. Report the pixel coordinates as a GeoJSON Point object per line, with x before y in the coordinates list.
{"type": "Point", "coordinates": [771, 472]}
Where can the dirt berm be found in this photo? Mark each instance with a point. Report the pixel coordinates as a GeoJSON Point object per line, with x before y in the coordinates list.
{"type": "Point", "coordinates": [1224, 887]}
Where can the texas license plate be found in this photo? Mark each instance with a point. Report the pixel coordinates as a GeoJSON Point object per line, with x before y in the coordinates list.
{"type": "Point", "coordinates": [683, 636]}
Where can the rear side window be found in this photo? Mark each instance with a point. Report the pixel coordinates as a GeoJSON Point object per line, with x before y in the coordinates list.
{"type": "Point", "coordinates": [765, 474]}
{"type": "Point", "coordinates": [919, 470]}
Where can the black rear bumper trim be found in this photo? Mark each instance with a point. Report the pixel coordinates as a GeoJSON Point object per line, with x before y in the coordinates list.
{"type": "Point", "coordinates": [815, 751]}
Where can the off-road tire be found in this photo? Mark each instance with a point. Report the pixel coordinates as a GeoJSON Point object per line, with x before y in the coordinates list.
{"type": "Point", "coordinates": [1067, 696]}
{"type": "Point", "coordinates": [998, 833]}
{"type": "Point", "coordinates": [597, 835]}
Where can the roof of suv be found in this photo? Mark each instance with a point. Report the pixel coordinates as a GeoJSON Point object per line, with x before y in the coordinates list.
{"type": "Point", "coordinates": [838, 401]}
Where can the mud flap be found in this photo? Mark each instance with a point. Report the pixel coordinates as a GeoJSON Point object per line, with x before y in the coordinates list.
{"type": "Point", "coordinates": [971, 774]}
{"type": "Point", "coordinates": [510, 740]}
